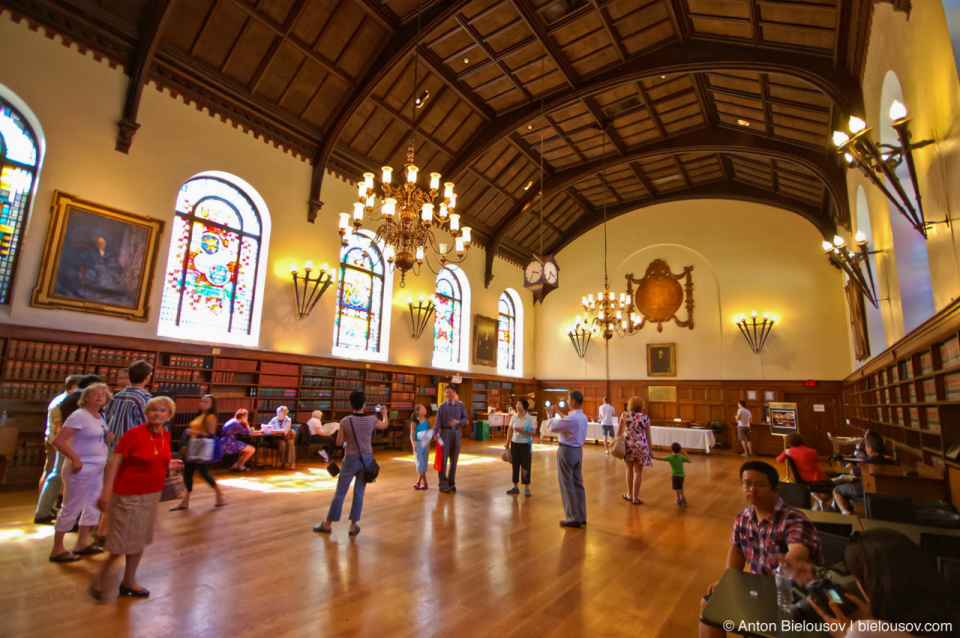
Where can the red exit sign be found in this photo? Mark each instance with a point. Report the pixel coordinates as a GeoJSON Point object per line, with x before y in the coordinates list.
{"type": "Point", "coordinates": [810, 383]}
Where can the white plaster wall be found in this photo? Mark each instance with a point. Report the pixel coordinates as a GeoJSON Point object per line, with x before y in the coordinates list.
{"type": "Point", "coordinates": [745, 257]}
{"type": "Point", "coordinates": [78, 102]}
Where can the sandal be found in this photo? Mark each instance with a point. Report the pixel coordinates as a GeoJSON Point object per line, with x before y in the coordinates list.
{"type": "Point", "coordinates": [64, 557]}
{"type": "Point", "coordinates": [626, 498]}
{"type": "Point", "coordinates": [179, 507]}
{"type": "Point", "coordinates": [638, 502]}
{"type": "Point", "coordinates": [354, 531]}
{"type": "Point", "coordinates": [89, 550]}
{"type": "Point", "coordinates": [220, 504]}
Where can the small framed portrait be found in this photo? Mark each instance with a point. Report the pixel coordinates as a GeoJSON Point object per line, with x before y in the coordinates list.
{"type": "Point", "coordinates": [485, 341]}
{"type": "Point", "coordinates": [769, 395]}
{"type": "Point", "coordinates": [661, 359]}
{"type": "Point", "coordinates": [97, 259]}
{"type": "Point", "coordinates": [751, 395]}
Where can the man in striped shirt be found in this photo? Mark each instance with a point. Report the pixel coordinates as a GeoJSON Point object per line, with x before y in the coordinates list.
{"type": "Point", "coordinates": [126, 410]}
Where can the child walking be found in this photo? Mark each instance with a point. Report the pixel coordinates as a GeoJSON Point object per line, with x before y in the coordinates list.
{"type": "Point", "coordinates": [676, 461]}
{"type": "Point", "coordinates": [420, 435]}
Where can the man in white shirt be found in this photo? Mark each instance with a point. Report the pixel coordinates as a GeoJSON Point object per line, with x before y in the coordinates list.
{"type": "Point", "coordinates": [606, 423]}
{"type": "Point", "coordinates": [572, 434]}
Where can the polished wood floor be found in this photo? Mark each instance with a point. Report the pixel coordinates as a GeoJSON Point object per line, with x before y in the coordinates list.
{"type": "Point", "coordinates": [425, 564]}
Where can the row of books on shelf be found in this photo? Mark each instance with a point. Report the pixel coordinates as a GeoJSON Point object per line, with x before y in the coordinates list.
{"type": "Point", "coordinates": [235, 365]}
{"type": "Point", "coordinates": [29, 391]}
{"type": "Point", "coordinates": [278, 392]}
{"type": "Point", "coordinates": [275, 379]}
{"type": "Point", "coordinates": [317, 381]}
{"type": "Point", "coordinates": [273, 404]}
{"type": "Point", "coordinates": [273, 367]}
{"type": "Point", "coordinates": [177, 376]}
{"type": "Point", "coordinates": [401, 377]}
{"type": "Point", "coordinates": [373, 375]}
{"type": "Point", "coordinates": [118, 357]}
{"type": "Point", "coordinates": [42, 351]}
{"type": "Point", "coordinates": [182, 389]}
{"type": "Point", "coordinates": [427, 390]}
{"type": "Point", "coordinates": [191, 404]}
{"type": "Point", "coordinates": [318, 371]}
{"type": "Point", "coordinates": [349, 383]}
{"type": "Point", "coordinates": [35, 371]}
{"type": "Point", "coordinates": [316, 393]}
{"type": "Point", "coordinates": [182, 361]}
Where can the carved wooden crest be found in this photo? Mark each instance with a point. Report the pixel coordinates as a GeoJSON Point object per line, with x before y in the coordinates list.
{"type": "Point", "coordinates": [659, 295]}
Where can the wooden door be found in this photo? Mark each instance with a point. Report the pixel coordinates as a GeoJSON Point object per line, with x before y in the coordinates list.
{"type": "Point", "coordinates": [818, 414]}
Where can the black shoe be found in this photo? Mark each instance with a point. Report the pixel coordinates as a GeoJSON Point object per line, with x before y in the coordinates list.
{"type": "Point", "coordinates": [322, 530]}
{"type": "Point", "coordinates": [134, 593]}
{"type": "Point", "coordinates": [445, 490]}
{"type": "Point", "coordinates": [573, 524]}
{"type": "Point", "coordinates": [45, 520]}
{"type": "Point", "coordinates": [453, 488]}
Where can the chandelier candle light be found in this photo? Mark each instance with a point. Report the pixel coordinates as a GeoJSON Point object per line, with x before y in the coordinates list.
{"type": "Point", "coordinates": [853, 263]}
{"type": "Point", "coordinates": [420, 313]}
{"type": "Point", "coordinates": [755, 332]}
{"type": "Point", "coordinates": [307, 295]}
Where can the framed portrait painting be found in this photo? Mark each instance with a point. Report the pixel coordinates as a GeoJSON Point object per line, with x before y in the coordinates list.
{"type": "Point", "coordinates": [485, 341]}
{"type": "Point", "coordinates": [661, 359]}
{"type": "Point", "coordinates": [97, 259]}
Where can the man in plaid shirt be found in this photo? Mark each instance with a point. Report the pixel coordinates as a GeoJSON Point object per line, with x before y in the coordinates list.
{"type": "Point", "coordinates": [768, 533]}
{"type": "Point", "coordinates": [125, 410]}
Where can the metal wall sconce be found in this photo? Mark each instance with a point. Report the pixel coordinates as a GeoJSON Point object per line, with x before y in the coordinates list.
{"type": "Point", "coordinates": [580, 336]}
{"type": "Point", "coordinates": [853, 263]}
{"type": "Point", "coordinates": [308, 295]}
{"type": "Point", "coordinates": [420, 314]}
{"type": "Point", "coordinates": [880, 162]}
{"type": "Point", "coordinates": [756, 332]}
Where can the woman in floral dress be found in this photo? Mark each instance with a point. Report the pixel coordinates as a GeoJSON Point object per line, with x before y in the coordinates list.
{"type": "Point", "coordinates": [635, 429]}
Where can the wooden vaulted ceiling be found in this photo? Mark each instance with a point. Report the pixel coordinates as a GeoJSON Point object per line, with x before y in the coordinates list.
{"type": "Point", "coordinates": [618, 104]}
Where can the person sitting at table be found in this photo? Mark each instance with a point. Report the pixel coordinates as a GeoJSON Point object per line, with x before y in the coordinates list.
{"type": "Point", "coordinates": [876, 455]}
{"type": "Point", "coordinates": [805, 460]}
{"type": "Point", "coordinates": [238, 425]}
{"type": "Point", "coordinates": [768, 533]}
{"type": "Point", "coordinates": [322, 435]}
{"type": "Point", "coordinates": [900, 585]}
{"type": "Point", "coordinates": [280, 427]}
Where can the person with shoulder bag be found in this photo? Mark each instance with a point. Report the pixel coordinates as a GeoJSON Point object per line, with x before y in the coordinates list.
{"type": "Point", "coordinates": [203, 428]}
{"type": "Point", "coordinates": [358, 462]}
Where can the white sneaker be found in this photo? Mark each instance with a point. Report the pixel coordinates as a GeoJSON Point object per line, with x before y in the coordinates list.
{"type": "Point", "coordinates": [323, 455]}
{"type": "Point", "coordinates": [607, 452]}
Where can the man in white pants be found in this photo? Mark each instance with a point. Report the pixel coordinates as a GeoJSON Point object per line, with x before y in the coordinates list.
{"type": "Point", "coordinates": [606, 418]}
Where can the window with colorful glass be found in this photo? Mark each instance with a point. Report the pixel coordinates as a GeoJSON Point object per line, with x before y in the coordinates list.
{"type": "Point", "coordinates": [358, 330]}
{"type": "Point", "coordinates": [506, 335]}
{"type": "Point", "coordinates": [210, 291]}
{"type": "Point", "coordinates": [19, 161]}
{"type": "Point", "coordinates": [449, 342]}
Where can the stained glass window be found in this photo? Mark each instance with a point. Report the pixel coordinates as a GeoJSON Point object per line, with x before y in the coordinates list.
{"type": "Point", "coordinates": [19, 161]}
{"type": "Point", "coordinates": [358, 330]}
{"type": "Point", "coordinates": [510, 334]}
{"type": "Point", "coordinates": [210, 291]}
{"type": "Point", "coordinates": [506, 333]}
{"type": "Point", "coordinates": [449, 327]}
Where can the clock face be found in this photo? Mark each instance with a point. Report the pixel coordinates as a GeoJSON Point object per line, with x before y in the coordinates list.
{"type": "Point", "coordinates": [533, 271]}
{"type": "Point", "coordinates": [550, 272]}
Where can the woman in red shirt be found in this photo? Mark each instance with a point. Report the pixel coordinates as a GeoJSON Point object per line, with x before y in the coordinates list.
{"type": "Point", "coordinates": [133, 482]}
{"type": "Point", "coordinates": [804, 458]}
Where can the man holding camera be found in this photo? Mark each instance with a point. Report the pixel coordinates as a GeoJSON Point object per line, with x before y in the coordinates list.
{"type": "Point", "coordinates": [768, 533]}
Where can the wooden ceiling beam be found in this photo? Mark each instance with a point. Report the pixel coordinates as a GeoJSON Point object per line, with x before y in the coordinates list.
{"type": "Point", "coordinates": [604, 124]}
{"type": "Point", "coordinates": [611, 30]}
{"type": "Point", "coordinates": [533, 21]}
{"type": "Point", "coordinates": [830, 174]}
{"type": "Point", "coordinates": [679, 18]}
{"type": "Point", "coordinates": [295, 12]}
{"type": "Point", "coordinates": [692, 57]}
{"type": "Point", "coordinates": [393, 53]}
{"type": "Point", "coordinates": [470, 30]}
{"type": "Point", "coordinates": [381, 14]}
{"type": "Point", "coordinates": [644, 180]}
{"type": "Point", "coordinates": [441, 70]}
{"type": "Point", "coordinates": [737, 191]}
{"type": "Point", "coordinates": [138, 69]}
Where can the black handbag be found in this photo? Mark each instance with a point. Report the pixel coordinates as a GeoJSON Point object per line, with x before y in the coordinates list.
{"type": "Point", "coordinates": [370, 472]}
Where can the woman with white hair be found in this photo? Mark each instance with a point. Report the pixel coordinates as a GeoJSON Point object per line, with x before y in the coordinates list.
{"type": "Point", "coordinates": [82, 440]}
{"type": "Point", "coordinates": [322, 436]}
{"type": "Point", "coordinates": [133, 482]}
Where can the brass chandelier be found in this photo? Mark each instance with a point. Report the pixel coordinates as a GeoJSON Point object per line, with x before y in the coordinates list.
{"type": "Point", "coordinates": [408, 214]}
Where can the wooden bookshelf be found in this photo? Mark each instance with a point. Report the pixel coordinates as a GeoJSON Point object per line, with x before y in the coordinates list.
{"type": "Point", "coordinates": [35, 361]}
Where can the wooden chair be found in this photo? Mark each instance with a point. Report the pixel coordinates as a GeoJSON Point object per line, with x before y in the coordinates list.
{"type": "Point", "coordinates": [8, 447]}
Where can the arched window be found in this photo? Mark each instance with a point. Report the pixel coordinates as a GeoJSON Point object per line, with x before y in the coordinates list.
{"type": "Point", "coordinates": [217, 262]}
{"type": "Point", "coordinates": [875, 331]}
{"type": "Point", "coordinates": [451, 331]}
{"type": "Point", "coordinates": [20, 156]}
{"type": "Point", "coordinates": [510, 334]}
{"type": "Point", "coordinates": [361, 329]}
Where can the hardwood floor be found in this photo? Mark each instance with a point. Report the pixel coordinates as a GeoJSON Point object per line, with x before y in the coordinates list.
{"type": "Point", "coordinates": [471, 563]}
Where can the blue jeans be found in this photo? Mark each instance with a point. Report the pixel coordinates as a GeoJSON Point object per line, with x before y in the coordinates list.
{"type": "Point", "coordinates": [51, 489]}
{"type": "Point", "coordinates": [352, 467]}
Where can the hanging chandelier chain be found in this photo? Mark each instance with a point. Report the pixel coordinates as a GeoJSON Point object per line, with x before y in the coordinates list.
{"type": "Point", "coordinates": [543, 120]}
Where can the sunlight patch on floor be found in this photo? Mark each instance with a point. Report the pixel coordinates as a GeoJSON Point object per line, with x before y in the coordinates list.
{"type": "Point", "coordinates": [25, 532]}
{"type": "Point", "coordinates": [465, 459]}
{"type": "Point", "coordinates": [310, 480]}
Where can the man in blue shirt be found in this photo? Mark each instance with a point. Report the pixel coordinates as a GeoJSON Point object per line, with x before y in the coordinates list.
{"type": "Point", "coordinates": [451, 416]}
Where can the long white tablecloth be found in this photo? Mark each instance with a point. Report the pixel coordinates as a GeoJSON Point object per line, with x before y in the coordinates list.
{"type": "Point", "coordinates": [687, 437]}
{"type": "Point", "coordinates": [662, 436]}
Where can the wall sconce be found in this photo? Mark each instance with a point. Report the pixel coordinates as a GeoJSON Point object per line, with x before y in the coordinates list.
{"type": "Point", "coordinates": [850, 263]}
{"type": "Point", "coordinates": [307, 295]}
{"type": "Point", "coordinates": [420, 314]}
{"type": "Point", "coordinates": [879, 162]}
{"type": "Point", "coordinates": [756, 332]}
{"type": "Point", "coordinates": [580, 336]}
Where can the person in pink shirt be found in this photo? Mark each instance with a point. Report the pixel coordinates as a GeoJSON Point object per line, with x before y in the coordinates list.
{"type": "Point", "coordinates": [805, 459]}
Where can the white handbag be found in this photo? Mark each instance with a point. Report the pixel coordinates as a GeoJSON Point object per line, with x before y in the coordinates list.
{"type": "Point", "coordinates": [200, 450]}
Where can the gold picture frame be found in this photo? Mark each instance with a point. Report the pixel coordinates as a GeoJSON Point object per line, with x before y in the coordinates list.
{"type": "Point", "coordinates": [97, 259]}
{"type": "Point", "coordinates": [485, 341]}
{"type": "Point", "coordinates": [661, 359]}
